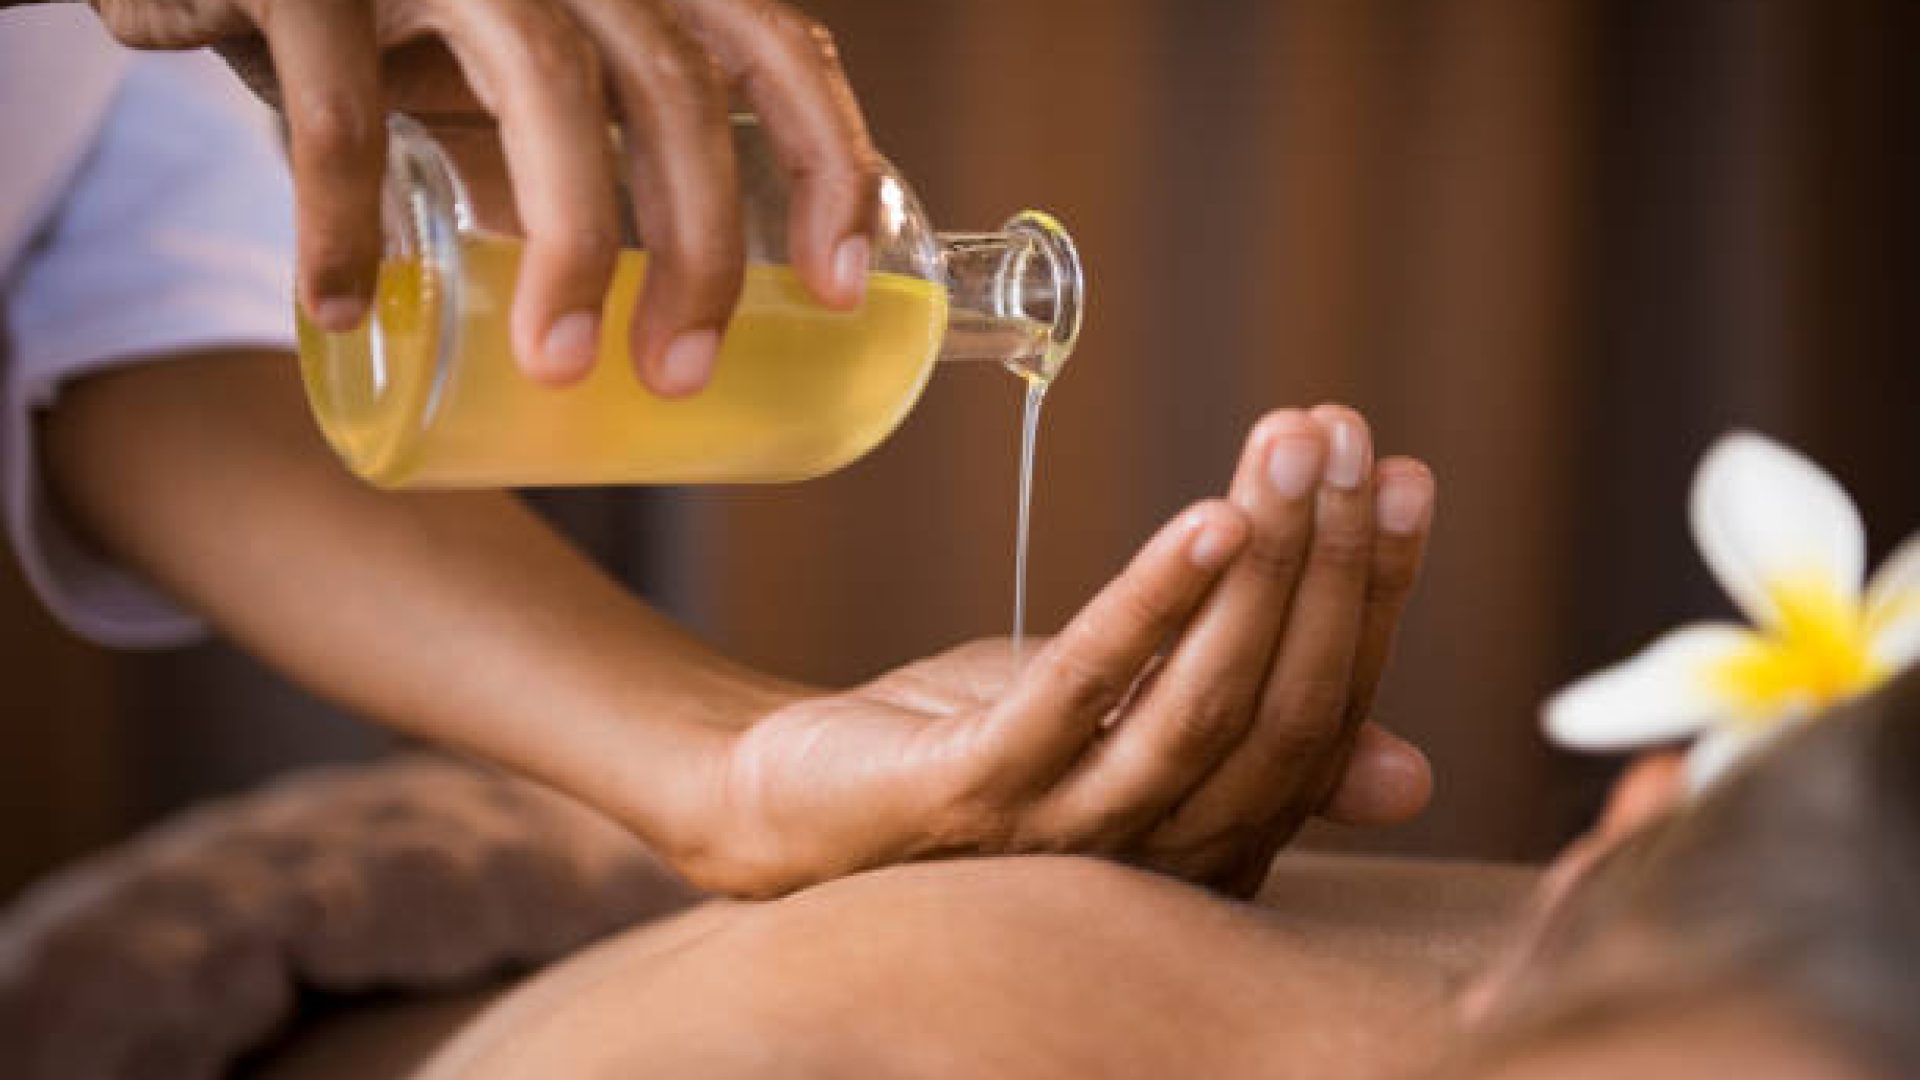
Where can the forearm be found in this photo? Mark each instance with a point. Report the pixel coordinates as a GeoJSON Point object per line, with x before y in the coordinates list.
{"type": "Point", "coordinates": [458, 617]}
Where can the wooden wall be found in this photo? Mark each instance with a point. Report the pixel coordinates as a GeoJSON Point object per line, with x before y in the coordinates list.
{"type": "Point", "coordinates": [1553, 246]}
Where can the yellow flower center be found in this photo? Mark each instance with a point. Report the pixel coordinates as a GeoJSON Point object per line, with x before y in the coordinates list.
{"type": "Point", "coordinates": [1817, 654]}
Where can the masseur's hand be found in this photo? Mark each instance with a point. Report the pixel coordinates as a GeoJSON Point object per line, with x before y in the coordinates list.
{"type": "Point", "coordinates": [1098, 746]}
{"type": "Point", "coordinates": [554, 73]}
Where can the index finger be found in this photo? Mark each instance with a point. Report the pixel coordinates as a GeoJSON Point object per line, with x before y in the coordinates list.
{"type": "Point", "coordinates": [1085, 672]}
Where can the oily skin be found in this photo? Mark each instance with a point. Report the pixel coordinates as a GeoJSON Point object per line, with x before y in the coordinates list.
{"type": "Point", "coordinates": [463, 619]}
{"type": "Point", "coordinates": [1045, 967]}
{"type": "Point", "coordinates": [1050, 967]}
{"type": "Point", "coordinates": [1033, 967]}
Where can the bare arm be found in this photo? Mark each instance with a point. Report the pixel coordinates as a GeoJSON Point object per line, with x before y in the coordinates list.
{"type": "Point", "coordinates": [462, 619]}
{"type": "Point", "coordinates": [458, 617]}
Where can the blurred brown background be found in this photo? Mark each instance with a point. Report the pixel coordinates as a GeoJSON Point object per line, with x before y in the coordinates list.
{"type": "Point", "coordinates": [1552, 246]}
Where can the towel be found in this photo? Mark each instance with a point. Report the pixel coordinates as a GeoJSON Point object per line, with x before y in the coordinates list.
{"type": "Point", "coordinates": [175, 953]}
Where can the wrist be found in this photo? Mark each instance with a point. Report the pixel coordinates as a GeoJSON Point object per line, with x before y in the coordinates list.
{"type": "Point", "coordinates": [660, 764]}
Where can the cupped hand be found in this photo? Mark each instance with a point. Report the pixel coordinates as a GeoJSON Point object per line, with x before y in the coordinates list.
{"type": "Point", "coordinates": [554, 73]}
{"type": "Point", "coordinates": [1188, 719]}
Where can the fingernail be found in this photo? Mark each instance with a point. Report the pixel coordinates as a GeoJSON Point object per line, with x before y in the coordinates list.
{"type": "Point", "coordinates": [1293, 465]}
{"type": "Point", "coordinates": [1346, 454]}
{"type": "Point", "coordinates": [1403, 506]}
{"type": "Point", "coordinates": [688, 362]}
{"type": "Point", "coordinates": [1215, 545]}
{"type": "Point", "coordinates": [573, 341]}
{"type": "Point", "coordinates": [338, 314]}
{"type": "Point", "coordinates": [851, 261]}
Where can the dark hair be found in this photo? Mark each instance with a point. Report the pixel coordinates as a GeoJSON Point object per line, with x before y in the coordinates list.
{"type": "Point", "coordinates": [1794, 882]}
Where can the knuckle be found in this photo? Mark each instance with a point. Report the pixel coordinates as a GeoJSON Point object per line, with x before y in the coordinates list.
{"type": "Point", "coordinates": [1308, 700]}
{"type": "Point", "coordinates": [553, 50]}
{"type": "Point", "coordinates": [857, 177]}
{"type": "Point", "coordinates": [1092, 683]}
{"type": "Point", "coordinates": [847, 167]}
{"type": "Point", "coordinates": [335, 129]}
{"type": "Point", "coordinates": [591, 243]}
{"type": "Point", "coordinates": [1206, 721]}
{"type": "Point", "coordinates": [1108, 829]}
{"type": "Point", "coordinates": [1304, 716]}
{"type": "Point", "coordinates": [1342, 546]}
{"type": "Point", "coordinates": [1135, 608]}
{"type": "Point", "coordinates": [1273, 558]}
{"type": "Point", "coordinates": [674, 67]}
{"type": "Point", "coordinates": [709, 269]}
{"type": "Point", "coordinates": [681, 298]}
{"type": "Point", "coordinates": [972, 818]}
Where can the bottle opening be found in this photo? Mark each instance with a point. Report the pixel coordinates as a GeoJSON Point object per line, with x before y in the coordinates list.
{"type": "Point", "coordinates": [374, 390]}
{"type": "Point", "coordinates": [1049, 286]}
{"type": "Point", "coordinates": [1018, 296]}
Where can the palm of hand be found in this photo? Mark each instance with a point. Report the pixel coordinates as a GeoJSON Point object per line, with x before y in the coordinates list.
{"type": "Point", "coordinates": [849, 780]}
{"type": "Point", "coordinates": [1188, 718]}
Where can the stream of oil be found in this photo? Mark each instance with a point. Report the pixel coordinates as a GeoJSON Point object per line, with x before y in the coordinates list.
{"type": "Point", "coordinates": [1026, 348]}
{"type": "Point", "coordinates": [1029, 437]}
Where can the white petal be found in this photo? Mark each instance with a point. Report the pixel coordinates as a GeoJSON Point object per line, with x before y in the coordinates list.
{"type": "Point", "coordinates": [1893, 607]}
{"type": "Point", "coordinates": [1664, 693]}
{"type": "Point", "coordinates": [1765, 516]}
{"type": "Point", "coordinates": [1721, 749]}
{"type": "Point", "coordinates": [1724, 748]}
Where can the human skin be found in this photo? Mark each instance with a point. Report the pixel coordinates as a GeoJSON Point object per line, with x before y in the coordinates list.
{"type": "Point", "coordinates": [1065, 967]}
{"type": "Point", "coordinates": [461, 618]}
{"type": "Point", "coordinates": [1045, 967]}
{"type": "Point", "coordinates": [1030, 967]}
{"type": "Point", "coordinates": [1721, 1037]}
{"type": "Point", "coordinates": [555, 74]}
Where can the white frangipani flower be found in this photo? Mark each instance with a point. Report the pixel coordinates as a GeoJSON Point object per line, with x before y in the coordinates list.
{"type": "Point", "coordinates": [1787, 544]}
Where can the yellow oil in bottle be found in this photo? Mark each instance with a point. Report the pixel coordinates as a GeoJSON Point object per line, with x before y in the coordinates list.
{"type": "Point", "coordinates": [799, 390]}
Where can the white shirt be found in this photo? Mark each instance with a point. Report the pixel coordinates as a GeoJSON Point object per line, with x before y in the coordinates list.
{"type": "Point", "coordinates": [145, 211]}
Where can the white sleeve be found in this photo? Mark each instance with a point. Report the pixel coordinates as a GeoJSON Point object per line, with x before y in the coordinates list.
{"type": "Point", "coordinates": [173, 235]}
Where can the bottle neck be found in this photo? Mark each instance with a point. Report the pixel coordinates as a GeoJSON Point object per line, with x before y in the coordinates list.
{"type": "Point", "coordinates": [1016, 296]}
